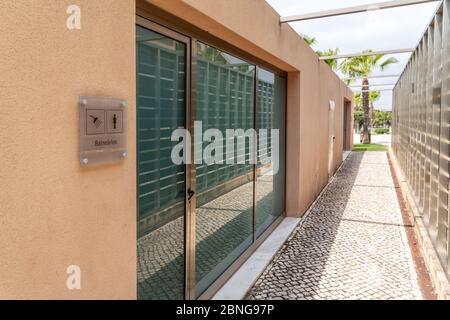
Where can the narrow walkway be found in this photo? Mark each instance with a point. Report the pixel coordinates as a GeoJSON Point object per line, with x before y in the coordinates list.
{"type": "Point", "coordinates": [351, 245]}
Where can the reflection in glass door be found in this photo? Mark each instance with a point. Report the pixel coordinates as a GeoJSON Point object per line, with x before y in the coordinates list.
{"type": "Point", "coordinates": [270, 172]}
{"type": "Point", "coordinates": [224, 214]}
{"type": "Point", "coordinates": [161, 185]}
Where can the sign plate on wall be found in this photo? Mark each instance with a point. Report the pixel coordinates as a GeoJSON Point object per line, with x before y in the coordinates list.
{"type": "Point", "coordinates": [103, 130]}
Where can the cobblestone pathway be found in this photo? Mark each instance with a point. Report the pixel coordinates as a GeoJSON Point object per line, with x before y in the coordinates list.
{"type": "Point", "coordinates": [352, 244]}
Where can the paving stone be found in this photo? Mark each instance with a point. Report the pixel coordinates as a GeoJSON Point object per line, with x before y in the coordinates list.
{"type": "Point", "coordinates": [352, 244]}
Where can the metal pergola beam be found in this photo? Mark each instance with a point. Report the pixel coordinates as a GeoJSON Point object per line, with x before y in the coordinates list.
{"type": "Point", "coordinates": [373, 77]}
{"type": "Point", "coordinates": [361, 91]}
{"type": "Point", "coordinates": [365, 54]}
{"type": "Point", "coordinates": [374, 85]}
{"type": "Point", "coordinates": [352, 10]}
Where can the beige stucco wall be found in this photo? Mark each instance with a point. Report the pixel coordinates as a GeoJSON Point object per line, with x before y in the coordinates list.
{"type": "Point", "coordinates": [53, 213]}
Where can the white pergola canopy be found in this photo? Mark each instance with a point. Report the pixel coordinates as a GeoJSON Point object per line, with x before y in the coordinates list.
{"type": "Point", "coordinates": [359, 9]}
{"type": "Point", "coordinates": [375, 77]}
{"type": "Point", "coordinates": [352, 10]}
{"type": "Point", "coordinates": [363, 54]}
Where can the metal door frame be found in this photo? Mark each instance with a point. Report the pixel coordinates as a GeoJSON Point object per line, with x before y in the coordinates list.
{"type": "Point", "coordinates": [189, 215]}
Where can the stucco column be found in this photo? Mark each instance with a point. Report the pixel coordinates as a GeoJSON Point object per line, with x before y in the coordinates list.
{"type": "Point", "coordinates": [293, 146]}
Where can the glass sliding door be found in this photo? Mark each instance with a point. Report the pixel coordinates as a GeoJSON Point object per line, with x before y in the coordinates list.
{"type": "Point", "coordinates": [195, 219]}
{"type": "Point", "coordinates": [270, 171]}
{"type": "Point", "coordinates": [161, 186]}
{"type": "Point", "coordinates": [224, 177]}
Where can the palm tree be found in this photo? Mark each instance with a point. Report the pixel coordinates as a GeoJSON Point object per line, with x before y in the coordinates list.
{"type": "Point", "coordinates": [382, 118]}
{"type": "Point", "coordinates": [333, 63]}
{"type": "Point", "coordinates": [309, 40]}
{"type": "Point", "coordinates": [330, 52]}
{"type": "Point", "coordinates": [358, 100]}
{"type": "Point", "coordinates": [363, 66]}
{"type": "Point", "coordinates": [373, 97]}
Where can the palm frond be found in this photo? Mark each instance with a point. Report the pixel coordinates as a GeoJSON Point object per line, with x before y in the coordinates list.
{"type": "Point", "coordinates": [349, 81]}
{"type": "Point", "coordinates": [333, 63]}
{"type": "Point", "coordinates": [363, 66]}
{"type": "Point", "coordinates": [376, 59]}
{"type": "Point", "coordinates": [309, 40]}
{"type": "Point", "coordinates": [388, 62]}
{"type": "Point", "coordinates": [374, 96]}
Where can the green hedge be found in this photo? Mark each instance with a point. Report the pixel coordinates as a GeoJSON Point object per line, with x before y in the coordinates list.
{"type": "Point", "coordinates": [382, 130]}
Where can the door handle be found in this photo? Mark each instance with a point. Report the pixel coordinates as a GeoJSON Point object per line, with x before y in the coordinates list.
{"type": "Point", "coordinates": [190, 194]}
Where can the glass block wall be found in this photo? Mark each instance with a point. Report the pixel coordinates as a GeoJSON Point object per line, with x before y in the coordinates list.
{"type": "Point", "coordinates": [421, 129]}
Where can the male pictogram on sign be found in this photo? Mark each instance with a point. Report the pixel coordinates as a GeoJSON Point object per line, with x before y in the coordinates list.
{"type": "Point", "coordinates": [114, 119]}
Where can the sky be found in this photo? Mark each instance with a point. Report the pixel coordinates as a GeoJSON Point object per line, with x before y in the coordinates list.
{"type": "Point", "coordinates": [388, 29]}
